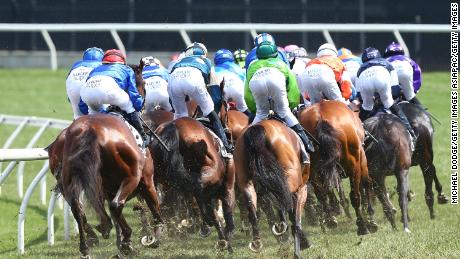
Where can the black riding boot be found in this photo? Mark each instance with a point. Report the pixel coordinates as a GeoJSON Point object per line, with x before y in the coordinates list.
{"type": "Point", "coordinates": [398, 112]}
{"type": "Point", "coordinates": [303, 136]}
{"type": "Point", "coordinates": [219, 130]}
{"type": "Point", "coordinates": [417, 102]}
{"type": "Point", "coordinates": [135, 121]}
{"type": "Point", "coordinates": [250, 115]}
{"type": "Point", "coordinates": [363, 114]}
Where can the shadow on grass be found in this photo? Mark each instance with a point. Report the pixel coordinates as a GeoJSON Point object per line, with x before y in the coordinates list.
{"type": "Point", "coordinates": [40, 211]}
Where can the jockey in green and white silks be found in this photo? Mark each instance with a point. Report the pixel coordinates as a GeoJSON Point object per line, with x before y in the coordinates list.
{"type": "Point", "coordinates": [270, 78]}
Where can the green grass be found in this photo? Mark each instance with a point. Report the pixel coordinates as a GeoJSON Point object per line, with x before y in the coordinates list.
{"type": "Point", "coordinates": [42, 93]}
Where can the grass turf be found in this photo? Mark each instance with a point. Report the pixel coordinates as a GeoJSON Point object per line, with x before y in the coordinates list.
{"type": "Point", "coordinates": [42, 93]}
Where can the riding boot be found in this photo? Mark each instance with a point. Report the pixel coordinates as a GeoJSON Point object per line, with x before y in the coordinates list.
{"type": "Point", "coordinates": [303, 136]}
{"type": "Point", "coordinates": [363, 114]}
{"type": "Point", "coordinates": [135, 121]}
{"type": "Point", "coordinates": [398, 112]}
{"type": "Point", "coordinates": [250, 115]}
{"type": "Point", "coordinates": [219, 130]}
{"type": "Point", "coordinates": [417, 102]}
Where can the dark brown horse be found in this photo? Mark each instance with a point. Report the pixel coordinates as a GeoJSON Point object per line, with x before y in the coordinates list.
{"type": "Point", "coordinates": [423, 154]}
{"type": "Point", "coordinates": [340, 135]}
{"type": "Point", "coordinates": [391, 155]}
{"type": "Point", "coordinates": [100, 156]}
{"type": "Point", "coordinates": [201, 172]}
{"type": "Point", "coordinates": [268, 164]}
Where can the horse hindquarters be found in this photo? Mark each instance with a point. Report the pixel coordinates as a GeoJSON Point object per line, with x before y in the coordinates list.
{"type": "Point", "coordinates": [81, 173]}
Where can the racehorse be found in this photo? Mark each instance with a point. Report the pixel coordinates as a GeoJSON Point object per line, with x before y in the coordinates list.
{"type": "Point", "coordinates": [389, 154]}
{"type": "Point", "coordinates": [268, 163]}
{"type": "Point", "coordinates": [423, 154]}
{"type": "Point", "coordinates": [99, 155]}
{"type": "Point", "coordinates": [201, 172]}
{"type": "Point", "coordinates": [340, 135]}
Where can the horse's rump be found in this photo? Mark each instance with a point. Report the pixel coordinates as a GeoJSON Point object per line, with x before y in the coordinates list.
{"type": "Point", "coordinates": [264, 168]}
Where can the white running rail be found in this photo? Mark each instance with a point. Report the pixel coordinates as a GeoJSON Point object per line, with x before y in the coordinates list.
{"type": "Point", "coordinates": [27, 154]}
{"type": "Point", "coordinates": [183, 28]}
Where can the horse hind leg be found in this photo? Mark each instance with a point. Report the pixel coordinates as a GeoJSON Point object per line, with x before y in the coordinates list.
{"type": "Point", "coordinates": [429, 196]}
{"type": "Point", "coordinates": [128, 185]}
{"type": "Point", "coordinates": [251, 202]}
{"type": "Point", "coordinates": [379, 184]}
{"type": "Point", "coordinates": [80, 217]}
{"type": "Point", "coordinates": [442, 198]}
{"type": "Point", "coordinates": [300, 240]}
{"type": "Point", "coordinates": [150, 195]}
{"type": "Point", "coordinates": [403, 187]}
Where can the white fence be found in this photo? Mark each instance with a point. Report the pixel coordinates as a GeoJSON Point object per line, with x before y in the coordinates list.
{"type": "Point", "coordinates": [30, 153]}
{"type": "Point", "coordinates": [182, 29]}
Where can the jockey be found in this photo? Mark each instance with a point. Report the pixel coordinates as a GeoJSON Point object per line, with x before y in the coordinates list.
{"type": "Point", "coordinates": [263, 37]}
{"type": "Point", "coordinates": [233, 77]}
{"type": "Point", "coordinates": [92, 58]}
{"type": "Point", "coordinates": [270, 78]}
{"type": "Point", "coordinates": [114, 83]}
{"type": "Point", "coordinates": [352, 62]}
{"type": "Point", "coordinates": [156, 79]}
{"type": "Point", "coordinates": [300, 58]}
{"type": "Point", "coordinates": [240, 57]}
{"type": "Point", "coordinates": [326, 76]}
{"type": "Point", "coordinates": [409, 72]}
{"type": "Point", "coordinates": [377, 75]}
{"type": "Point", "coordinates": [191, 76]}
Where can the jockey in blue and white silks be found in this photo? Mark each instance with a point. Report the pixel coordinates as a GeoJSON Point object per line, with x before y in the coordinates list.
{"type": "Point", "coordinates": [92, 57]}
{"type": "Point", "coordinates": [377, 75]}
{"type": "Point", "coordinates": [114, 83]}
{"type": "Point", "coordinates": [194, 76]}
{"type": "Point", "coordinates": [263, 37]}
{"type": "Point", "coordinates": [156, 80]}
{"type": "Point", "coordinates": [233, 76]}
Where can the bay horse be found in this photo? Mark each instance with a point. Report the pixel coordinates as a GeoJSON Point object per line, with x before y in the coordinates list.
{"type": "Point", "coordinates": [340, 135]}
{"type": "Point", "coordinates": [391, 155]}
{"type": "Point", "coordinates": [99, 155]}
{"type": "Point", "coordinates": [424, 154]}
{"type": "Point", "coordinates": [268, 163]}
{"type": "Point", "coordinates": [201, 172]}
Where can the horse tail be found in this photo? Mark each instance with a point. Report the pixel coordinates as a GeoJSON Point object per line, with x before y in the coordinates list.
{"type": "Point", "coordinates": [83, 166]}
{"type": "Point", "coordinates": [171, 163]}
{"type": "Point", "coordinates": [268, 174]}
{"type": "Point", "coordinates": [329, 151]}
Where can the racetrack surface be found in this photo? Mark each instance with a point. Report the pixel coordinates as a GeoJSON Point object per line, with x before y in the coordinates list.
{"type": "Point", "coordinates": [42, 93]}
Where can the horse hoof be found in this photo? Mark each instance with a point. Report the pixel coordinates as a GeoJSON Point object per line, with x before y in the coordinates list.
{"type": "Point", "coordinates": [104, 232]}
{"type": "Point", "coordinates": [150, 241]}
{"type": "Point", "coordinates": [372, 226]}
{"type": "Point", "coordinates": [279, 229]}
{"type": "Point", "coordinates": [205, 232]}
{"type": "Point", "coordinates": [332, 223]}
{"type": "Point", "coordinates": [85, 256]}
{"type": "Point", "coordinates": [432, 216]}
{"type": "Point", "coordinates": [126, 248]}
{"type": "Point", "coordinates": [221, 245]}
{"type": "Point", "coordinates": [92, 241]}
{"type": "Point", "coordinates": [442, 199]}
{"type": "Point", "coordinates": [362, 231]}
{"type": "Point", "coordinates": [305, 244]}
{"type": "Point", "coordinates": [117, 256]}
{"type": "Point", "coordinates": [255, 246]}
{"type": "Point", "coordinates": [407, 230]}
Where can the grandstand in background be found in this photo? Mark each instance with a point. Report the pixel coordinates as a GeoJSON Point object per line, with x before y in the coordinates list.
{"type": "Point", "coordinates": [430, 50]}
